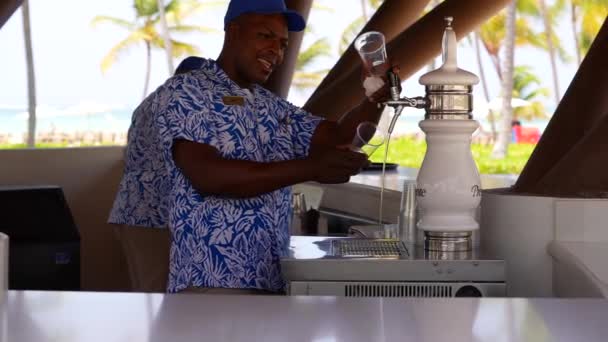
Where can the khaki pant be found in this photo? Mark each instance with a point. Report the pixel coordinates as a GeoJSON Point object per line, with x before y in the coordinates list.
{"type": "Point", "coordinates": [147, 254]}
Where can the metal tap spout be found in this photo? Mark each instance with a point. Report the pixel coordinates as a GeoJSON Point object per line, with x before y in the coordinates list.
{"type": "Point", "coordinates": [397, 102]}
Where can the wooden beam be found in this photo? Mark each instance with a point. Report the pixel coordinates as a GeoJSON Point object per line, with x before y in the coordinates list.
{"type": "Point", "coordinates": [411, 50]}
{"type": "Point", "coordinates": [391, 18]}
{"type": "Point", "coordinates": [7, 8]}
{"type": "Point", "coordinates": [570, 158]}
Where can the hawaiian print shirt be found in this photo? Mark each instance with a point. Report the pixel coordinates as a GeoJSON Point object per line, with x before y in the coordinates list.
{"type": "Point", "coordinates": [216, 241]}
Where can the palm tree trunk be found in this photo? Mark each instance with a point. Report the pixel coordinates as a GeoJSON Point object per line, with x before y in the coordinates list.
{"type": "Point", "coordinates": [148, 65]}
{"type": "Point", "coordinates": [577, 44]}
{"type": "Point", "coordinates": [550, 48]}
{"type": "Point", "coordinates": [166, 37]}
{"type": "Point", "coordinates": [484, 83]}
{"type": "Point", "coordinates": [495, 58]}
{"type": "Point", "coordinates": [31, 77]}
{"type": "Point", "coordinates": [504, 135]}
{"type": "Point", "coordinates": [364, 10]}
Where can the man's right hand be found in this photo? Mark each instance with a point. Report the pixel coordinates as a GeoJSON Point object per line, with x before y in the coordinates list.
{"type": "Point", "coordinates": [332, 165]}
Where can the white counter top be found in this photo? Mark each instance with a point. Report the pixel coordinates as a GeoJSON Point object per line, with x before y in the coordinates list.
{"type": "Point", "coordinates": [394, 179]}
{"type": "Point", "coordinates": [361, 195]}
{"type": "Point", "coordinates": [90, 317]}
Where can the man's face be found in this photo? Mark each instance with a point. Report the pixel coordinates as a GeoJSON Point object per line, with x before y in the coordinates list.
{"type": "Point", "coordinates": [260, 46]}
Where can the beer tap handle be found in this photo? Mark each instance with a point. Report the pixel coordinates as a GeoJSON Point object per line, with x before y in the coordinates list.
{"type": "Point", "coordinates": [397, 102]}
{"type": "Point", "coordinates": [394, 83]}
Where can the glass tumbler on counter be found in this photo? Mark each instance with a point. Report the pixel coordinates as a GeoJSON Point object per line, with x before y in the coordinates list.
{"type": "Point", "coordinates": [407, 213]}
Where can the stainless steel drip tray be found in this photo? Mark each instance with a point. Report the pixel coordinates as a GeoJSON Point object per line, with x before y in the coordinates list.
{"type": "Point", "coordinates": [368, 248]}
{"type": "Point", "coordinates": [317, 258]}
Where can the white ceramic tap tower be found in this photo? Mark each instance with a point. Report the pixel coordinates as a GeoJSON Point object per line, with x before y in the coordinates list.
{"type": "Point", "coordinates": [449, 189]}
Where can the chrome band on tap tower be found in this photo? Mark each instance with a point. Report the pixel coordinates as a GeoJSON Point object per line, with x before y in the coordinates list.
{"type": "Point", "coordinates": [449, 102]}
{"type": "Point", "coordinates": [447, 242]}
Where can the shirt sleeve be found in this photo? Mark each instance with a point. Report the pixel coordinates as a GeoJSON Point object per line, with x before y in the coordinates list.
{"type": "Point", "coordinates": [302, 126]}
{"type": "Point", "coordinates": [187, 115]}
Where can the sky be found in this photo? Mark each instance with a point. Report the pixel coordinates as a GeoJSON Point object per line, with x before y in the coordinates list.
{"type": "Point", "coordinates": [68, 52]}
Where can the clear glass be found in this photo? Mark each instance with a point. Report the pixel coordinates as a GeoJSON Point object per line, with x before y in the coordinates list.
{"type": "Point", "coordinates": [372, 49]}
{"type": "Point", "coordinates": [407, 213]}
{"type": "Point", "coordinates": [367, 139]}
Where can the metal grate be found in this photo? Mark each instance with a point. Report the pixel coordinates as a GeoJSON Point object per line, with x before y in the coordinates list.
{"type": "Point", "coordinates": [389, 290]}
{"type": "Point", "coordinates": [368, 248]}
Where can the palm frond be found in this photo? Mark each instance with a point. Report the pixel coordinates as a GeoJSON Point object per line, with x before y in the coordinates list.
{"type": "Point", "coordinates": [192, 28]}
{"type": "Point", "coordinates": [375, 3]}
{"type": "Point", "coordinates": [492, 32]}
{"type": "Point", "coordinates": [536, 110]}
{"type": "Point", "coordinates": [178, 48]}
{"type": "Point", "coordinates": [525, 35]}
{"type": "Point", "coordinates": [103, 19]}
{"type": "Point", "coordinates": [182, 49]}
{"type": "Point", "coordinates": [562, 53]}
{"type": "Point", "coordinates": [594, 13]}
{"type": "Point", "coordinates": [308, 80]}
{"type": "Point", "coordinates": [120, 49]}
{"type": "Point", "coordinates": [320, 47]}
{"type": "Point", "coordinates": [145, 8]}
{"type": "Point", "coordinates": [178, 10]}
{"type": "Point", "coordinates": [528, 7]}
{"type": "Point", "coordinates": [527, 85]}
{"type": "Point", "coordinates": [558, 7]}
{"type": "Point", "coordinates": [319, 7]}
{"type": "Point", "coordinates": [350, 33]}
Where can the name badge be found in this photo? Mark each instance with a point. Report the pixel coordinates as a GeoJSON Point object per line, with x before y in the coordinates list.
{"type": "Point", "coordinates": [233, 100]}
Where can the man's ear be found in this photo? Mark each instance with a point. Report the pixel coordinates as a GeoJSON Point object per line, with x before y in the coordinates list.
{"type": "Point", "coordinates": [232, 31]}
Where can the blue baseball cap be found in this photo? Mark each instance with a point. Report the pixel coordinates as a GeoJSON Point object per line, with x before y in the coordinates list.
{"type": "Point", "coordinates": [295, 22]}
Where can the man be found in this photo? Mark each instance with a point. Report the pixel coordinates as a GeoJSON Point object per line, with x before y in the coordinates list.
{"type": "Point", "coordinates": [215, 153]}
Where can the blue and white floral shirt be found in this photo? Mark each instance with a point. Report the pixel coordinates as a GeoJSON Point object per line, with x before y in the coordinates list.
{"type": "Point", "coordinates": [216, 241]}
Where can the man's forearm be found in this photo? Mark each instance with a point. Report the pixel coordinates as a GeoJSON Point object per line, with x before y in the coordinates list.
{"type": "Point", "coordinates": [239, 178]}
{"type": "Point", "coordinates": [210, 173]}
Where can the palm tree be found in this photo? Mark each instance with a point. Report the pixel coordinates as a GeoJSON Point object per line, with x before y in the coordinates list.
{"type": "Point", "coordinates": [574, 7]}
{"type": "Point", "coordinates": [166, 35]}
{"type": "Point", "coordinates": [143, 30]}
{"type": "Point", "coordinates": [526, 86]}
{"type": "Point", "coordinates": [548, 15]}
{"type": "Point", "coordinates": [586, 18]}
{"type": "Point", "coordinates": [504, 135]}
{"type": "Point", "coordinates": [550, 47]}
{"type": "Point", "coordinates": [484, 82]}
{"type": "Point", "coordinates": [364, 10]}
{"type": "Point", "coordinates": [31, 77]}
{"type": "Point", "coordinates": [492, 34]}
{"type": "Point", "coordinates": [303, 78]}
{"type": "Point", "coordinates": [354, 28]}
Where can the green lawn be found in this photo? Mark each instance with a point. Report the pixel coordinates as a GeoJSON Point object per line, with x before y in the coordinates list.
{"type": "Point", "coordinates": [409, 152]}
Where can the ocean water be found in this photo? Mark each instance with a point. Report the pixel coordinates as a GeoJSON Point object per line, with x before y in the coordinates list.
{"type": "Point", "coordinates": [80, 119]}
{"type": "Point", "coordinates": [14, 121]}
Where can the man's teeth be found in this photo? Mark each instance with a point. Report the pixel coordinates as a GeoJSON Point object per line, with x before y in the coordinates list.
{"type": "Point", "coordinates": [266, 64]}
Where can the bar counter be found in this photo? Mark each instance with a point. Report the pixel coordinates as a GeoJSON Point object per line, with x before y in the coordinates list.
{"type": "Point", "coordinates": [29, 316]}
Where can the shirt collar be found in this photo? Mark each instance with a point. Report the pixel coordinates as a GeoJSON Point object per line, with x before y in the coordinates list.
{"type": "Point", "coordinates": [214, 71]}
